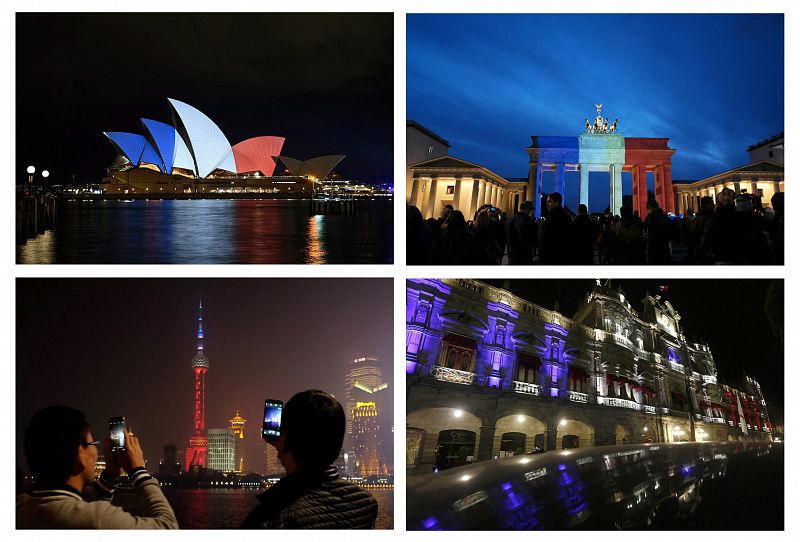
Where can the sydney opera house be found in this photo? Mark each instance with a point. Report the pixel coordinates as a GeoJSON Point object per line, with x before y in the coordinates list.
{"type": "Point", "coordinates": [193, 155]}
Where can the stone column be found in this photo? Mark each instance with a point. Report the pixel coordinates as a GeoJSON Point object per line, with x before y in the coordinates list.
{"type": "Point", "coordinates": [493, 195]}
{"type": "Point", "coordinates": [550, 434]}
{"type": "Point", "coordinates": [615, 172]}
{"type": "Point", "coordinates": [485, 443]}
{"type": "Point", "coordinates": [412, 199]}
{"type": "Point", "coordinates": [640, 189]}
{"type": "Point", "coordinates": [666, 188]}
{"type": "Point", "coordinates": [584, 190]}
{"type": "Point", "coordinates": [560, 182]}
{"type": "Point", "coordinates": [430, 208]}
{"type": "Point", "coordinates": [457, 196]}
{"type": "Point", "coordinates": [537, 193]}
{"type": "Point", "coordinates": [776, 187]}
{"type": "Point", "coordinates": [532, 178]}
{"type": "Point", "coordinates": [473, 204]}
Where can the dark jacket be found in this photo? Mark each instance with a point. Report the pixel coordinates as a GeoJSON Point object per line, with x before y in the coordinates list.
{"type": "Point", "coordinates": [659, 236]}
{"type": "Point", "coordinates": [556, 238]}
{"type": "Point", "coordinates": [521, 235]}
{"type": "Point", "coordinates": [313, 500]}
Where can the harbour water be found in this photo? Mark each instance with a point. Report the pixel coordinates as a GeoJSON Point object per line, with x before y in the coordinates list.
{"type": "Point", "coordinates": [227, 508]}
{"type": "Point", "coordinates": [213, 232]}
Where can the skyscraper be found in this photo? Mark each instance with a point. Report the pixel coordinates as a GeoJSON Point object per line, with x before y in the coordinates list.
{"type": "Point", "coordinates": [364, 383]}
{"type": "Point", "coordinates": [197, 450]}
{"type": "Point", "coordinates": [237, 426]}
{"type": "Point", "coordinates": [221, 450]}
{"type": "Point", "coordinates": [170, 464]}
{"type": "Point", "coordinates": [366, 442]}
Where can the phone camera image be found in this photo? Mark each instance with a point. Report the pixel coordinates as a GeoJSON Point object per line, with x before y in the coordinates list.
{"type": "Point", "coordinates": [271, 429]}
{"type": "Point", "coordinates": [116, 428]}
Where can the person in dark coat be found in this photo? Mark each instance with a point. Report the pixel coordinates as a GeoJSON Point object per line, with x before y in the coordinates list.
{"type": "Point", "coordinates": [521, 235]}
{"type": "Point", "coordinates": [455, 244]}
{"type": "Point", "coordinates": [624, 241]}
{"type": "Point", "coordinates": [585, 236]}
{"type": "Point", "coordinates": [312, 495]}
{"type": "Point", "coordinates": [776, 228]}
{"type": "Point", "coordinates": [488, 246]}
{"type": "Point", "coordinates": [659, 235]}
{"type": "Point", "coordinates": [417, 247]}
{"type": "Point", "coordinates": [556, 239]}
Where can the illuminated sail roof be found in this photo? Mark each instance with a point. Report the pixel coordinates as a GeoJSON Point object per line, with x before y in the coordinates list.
{"type": "Point", "coordinates": [128, 144]}
{"type": "Point", "coordinates": [255, 154]}
{"type": "Point", "coordinates": [208, 146]}
{"type": "Point", "coordinates": [318, 167]}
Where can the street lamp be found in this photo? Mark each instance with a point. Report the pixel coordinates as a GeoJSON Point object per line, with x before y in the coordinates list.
{"type": "Point", "coordinates": [45, 175]}
{"type": "Point", "coordinates": [31, 171]}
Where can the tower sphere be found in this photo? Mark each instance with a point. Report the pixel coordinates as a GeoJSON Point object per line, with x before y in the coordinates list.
{"type": "Point", "coordinates": [200, 360]}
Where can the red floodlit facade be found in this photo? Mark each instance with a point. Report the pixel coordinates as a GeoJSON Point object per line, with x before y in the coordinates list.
{"type": "Point", "coordinates": [643, 154]}
{"type": "Point", "coordinates": [256, 154]}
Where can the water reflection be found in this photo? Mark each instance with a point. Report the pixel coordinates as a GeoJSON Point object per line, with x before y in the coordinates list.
{"type": "Point", "coordinates": [315, 253]}
{"type": "Point", "coordinates": [212, 231]}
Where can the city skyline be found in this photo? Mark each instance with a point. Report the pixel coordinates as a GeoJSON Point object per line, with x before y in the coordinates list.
{"type": "Point", "coordinates": [531, 78]}
{"type": "Point", "coordinates": [254, 351]}
{"type": "Point", "coordinates": [256, 74]}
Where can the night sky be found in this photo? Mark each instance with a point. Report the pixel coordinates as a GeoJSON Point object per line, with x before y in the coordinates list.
{"type": "Point", "coordinates": [123, 347]}
{"type": "Point", "coordinates": [727, 314]}
{"type": "Point", "coordinates": [322, 81]}
{"type": "Point", "coordinates": [713, 84]}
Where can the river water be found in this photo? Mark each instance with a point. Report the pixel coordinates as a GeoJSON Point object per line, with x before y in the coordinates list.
{"type": "Point", "coordinates": [211, 232]}
{"type": "Point", "coordinates": [227, 508]}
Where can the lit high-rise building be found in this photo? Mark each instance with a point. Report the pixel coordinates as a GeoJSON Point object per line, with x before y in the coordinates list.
{"type": "Point", "coordinates": [366, 442]}
{"type": "Point", "coordinates": [198, 443]}
{"type": "Point", "coordinates": [221, 450]}
{"type": "Point", "coordinates": [237, 426]}
{"type": "Point", "coordinates": [272, 463]}
{"type": "Point", "coordinates": [364, 383]}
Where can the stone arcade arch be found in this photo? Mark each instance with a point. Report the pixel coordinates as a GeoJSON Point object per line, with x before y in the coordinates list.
{"type": "Point", "coordinates": [518, 423]}
{"type": "Point", "coordinates": [578, 434]}
{"type": "Point", "coordinates": [427, 424]}
{"type": "Point", "coordinates": [623, 435]}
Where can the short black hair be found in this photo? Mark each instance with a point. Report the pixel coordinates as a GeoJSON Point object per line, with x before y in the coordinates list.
{"type": "Point", "coordinates": [555, 196]}
{"type": "Point", "coordinates": [652, 204]}
{"type": "Point", "coordinates": [51, 443]}
{"type": "Point", "coordinates": [313, 424]}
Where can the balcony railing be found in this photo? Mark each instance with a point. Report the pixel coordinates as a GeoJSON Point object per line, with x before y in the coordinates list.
{"type": "Point", "coordinates": [711, 419]}
{"type": "Point", "coordinates": [623, 403]}
{"type": "Point", "coordinates": [525, 387]}
{"type": "Point", "coordinates": [455, 376]}
{"type": "Point", "coordinates": [578, 397]}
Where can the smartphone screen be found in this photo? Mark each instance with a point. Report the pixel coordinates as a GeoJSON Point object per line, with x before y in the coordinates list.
{"type": "Point", "coordinates": [272, 419]}
{"type": "Point", "coordinates": [116, 426]}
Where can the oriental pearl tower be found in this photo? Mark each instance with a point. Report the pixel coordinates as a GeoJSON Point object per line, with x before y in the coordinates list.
{"type": "Point", "coordinates": [196, 452]}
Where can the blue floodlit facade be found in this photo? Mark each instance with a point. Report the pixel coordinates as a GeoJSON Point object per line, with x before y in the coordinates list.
{"type": "Point", "coordinates": [490, 375]}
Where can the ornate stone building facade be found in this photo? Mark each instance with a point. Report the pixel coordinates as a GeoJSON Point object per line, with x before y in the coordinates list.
{"type": "Point", "coordinates": [489, 374]}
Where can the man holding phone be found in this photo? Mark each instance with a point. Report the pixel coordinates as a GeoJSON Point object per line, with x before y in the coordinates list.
{"type": "Point", "coordinates": [308, 433]}
{"type": "Point", "coordinates": [62, 453]}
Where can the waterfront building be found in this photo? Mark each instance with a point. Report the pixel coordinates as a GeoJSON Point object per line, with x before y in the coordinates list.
{"type": "Point", "coordinates": [221, 450]}
{"type": "Point", "coordinates": [237, 426]}
{"type": "Point", "coordinates": [196, 452]}
{"type": "Point", "coordinates": [489, 374]}
{"type": "Point", "coordinates": [193, 155]}
{"type": "Point", "coordinates": [170, 463]}
{"type": "Point", "coordinates": [366, 441]}
{"type": "Point", "coordinates": [364, 383]}
{"type": "Point", "coordinates": [273, 465]}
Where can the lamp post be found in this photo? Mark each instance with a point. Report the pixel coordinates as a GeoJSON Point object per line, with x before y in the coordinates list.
{"type": "Point", "coordinates": [45, 175]}
{"type": "Point", "coordinates": [31, 171]}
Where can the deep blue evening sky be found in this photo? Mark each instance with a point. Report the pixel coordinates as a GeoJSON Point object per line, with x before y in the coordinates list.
{"type": "Point", "coordinates": [713, 84]}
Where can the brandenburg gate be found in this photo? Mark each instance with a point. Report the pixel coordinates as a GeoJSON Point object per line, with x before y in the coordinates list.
{"type": "Point", "coordinates": [601, 148]}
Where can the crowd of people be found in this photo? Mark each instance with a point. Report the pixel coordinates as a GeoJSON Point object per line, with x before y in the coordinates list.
{"type": "Point", "coordinates": [728, 231]}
